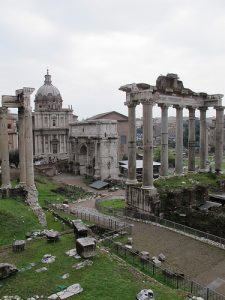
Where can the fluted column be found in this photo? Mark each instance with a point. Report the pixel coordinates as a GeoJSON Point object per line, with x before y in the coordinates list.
{"type": "Point", "coordinates": [203, 133]}
{"type": "Point", "coordinates": [22, 164]}
{"type": "Point", "coordinates": [4, 148]}
{"type": "Point", "coordinates": [219, 138]}
{"type": "Point", "coordinates": [191, 140]}
{"type": "Point", "coordinates": [29, 148]}
{"type": "Point", "coordinates": [131, 143]}
{"type": "Point", "coordinates": [164, 140]}
{"type": "Point", "coordinates": [179, 140]}
{"type": "Point", "coordinates": [147, 144]}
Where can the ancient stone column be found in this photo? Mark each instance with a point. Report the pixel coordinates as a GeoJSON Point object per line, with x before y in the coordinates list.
{"type": "Point", "coordinates": [191, 140]}
{"type": "Point", "coordinates": [147, 144]}
{"type": "Point", "coordinates": [29, 148]}
{"type": "Point", "coordinates": [21, 125]}
{"type": "Point", "coordinates": [219, 138]}
{"type": "Point", "coordinates": [131, 143]}
{"type": "Point", "coordinates": [203, 133]}
{"type": "Point", "coordinates": [164, 140]}
{"type": "Point", "coordinates": [179, 140]}
{"type": "Point", "coordinates": [4, 148]}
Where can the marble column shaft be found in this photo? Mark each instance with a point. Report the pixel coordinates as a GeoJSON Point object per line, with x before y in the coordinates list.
{"type": "Point", "coordinates": [147, 144]}
{"type": "Point", "coordinates": [164, 140]}
{"type": "Point", "coordinates": [179, 140]}
{"type": "Point", "coordinates": [22, 149]}
{"type": "Point", "coordinates": [131, 144]}
{"type": "Point", "coordinates": [29, 148]}
{"type": "Point", "coordinates": [219, 138]}
{"type": "Point", "coordinates": [203, 133]}
{"type": "Point", "coordinates": [191, 140]}
{"type": "Point", "coordinates": [4, 148]}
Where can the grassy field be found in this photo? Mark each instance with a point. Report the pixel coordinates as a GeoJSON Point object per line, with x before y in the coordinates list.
{"type": "Point", "coordinates": [113, 203]}
{"type": "Point", "coordinates": [107, 278]}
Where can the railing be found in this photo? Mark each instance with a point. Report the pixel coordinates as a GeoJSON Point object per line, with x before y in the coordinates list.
{"type": "Point", "coordinates": [194, 233]}
{"type": "Point", "coordinates": [166, 276]}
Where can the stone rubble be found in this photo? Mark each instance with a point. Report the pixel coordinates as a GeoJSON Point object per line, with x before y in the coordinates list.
{"type": "Point", "coordinates": [41, 270]}
{"type": "Point", "coordinates": [82, 264]}
{"type": "Point", "coordinates": [48, 259]}
{"type": "Point", "coordinates": [70, 291]}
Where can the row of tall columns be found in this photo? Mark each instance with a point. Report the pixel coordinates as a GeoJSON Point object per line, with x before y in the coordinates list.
{"type": "Point", "coordinates": [148, 141]}
{"type": "Point", "coordinates": [25, 147]}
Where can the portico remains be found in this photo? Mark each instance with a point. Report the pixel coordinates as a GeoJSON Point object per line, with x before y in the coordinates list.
{"type": "Point", "coordinates": [168, 92]}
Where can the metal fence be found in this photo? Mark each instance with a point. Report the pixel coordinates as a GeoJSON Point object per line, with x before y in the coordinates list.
{"type": "Point", "coordinates": [194, 233]}
{"type": "Point", "coordinates": [166, 276]}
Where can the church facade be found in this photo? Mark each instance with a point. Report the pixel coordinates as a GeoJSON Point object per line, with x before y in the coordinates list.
{"type": "Point", "coordinates": [51, 122]}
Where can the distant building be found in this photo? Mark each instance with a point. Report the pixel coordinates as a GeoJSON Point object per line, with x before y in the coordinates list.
{"type": "Point", "coordinates": [122, 127]}
{"type": "Point", "coordinates": [51, 122]}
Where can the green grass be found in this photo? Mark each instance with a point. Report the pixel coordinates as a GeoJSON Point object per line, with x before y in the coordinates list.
{"type": "Point", "coordinates": [187, 181]}
{"type": "Point", "coordinates": [106, 279]}
{"type": "Point", "coordinates": [113, 203]}
{"type": "Point", "coordinates": [16, 218]}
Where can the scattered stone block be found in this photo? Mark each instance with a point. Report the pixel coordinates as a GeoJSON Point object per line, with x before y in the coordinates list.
{"type": "Point", "coordinates": [48, 259]}
{"type": "Point", "coordinates": [52, 236]}
{"type": "Point", "coordinates": [18, 246]}
{"type": "Point", "coordinates": [83, 264]}
{"type": "Point", "coordinates": [86, 247]}
{"type": "Point", "coordinates": [129, 247]}
{"type": "Point", "coordinates": [161, 257]}
{"type": "Point", "coordinates": [129, 241]}
{"type": "Point", "coordinates": [41, 270]}
{"type": "Point", "coordinates": [7, 270]}
{"type": "Point", "coordinates": [156, 262]}
{"type": "Point", "coordinates": [70, 291]}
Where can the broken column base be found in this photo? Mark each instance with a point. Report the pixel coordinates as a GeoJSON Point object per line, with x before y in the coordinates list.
{"type": "Point", "coordinates": [145, 200]}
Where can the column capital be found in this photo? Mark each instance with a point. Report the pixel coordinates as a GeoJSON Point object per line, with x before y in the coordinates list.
{"type": "Point", "coordinates": [203, 108]}
{"type": "Point", "coordinates": [219, 107]}
{"type": "Point", "coordinates": [191, 108]}
{"type": "Point", "coordinates": [146, 101]}
{"type": "Point", "coordinates": [3, 110]}
{"type": "Point", "coordinates": [178, 106]}
{"type": "Point", "coordinates": [131, 104]}
{"type": "Point", "coordinates": [164, 105]}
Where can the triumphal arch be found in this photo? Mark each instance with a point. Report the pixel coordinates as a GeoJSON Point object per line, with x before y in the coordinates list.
{"type": "Point", "coordinates": [168, 92]}
{"type": "Point", "coordinates": [21, 101]}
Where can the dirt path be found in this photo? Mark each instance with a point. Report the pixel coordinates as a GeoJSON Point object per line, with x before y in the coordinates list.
{"type": "Point", "coordinates": [204, 263]}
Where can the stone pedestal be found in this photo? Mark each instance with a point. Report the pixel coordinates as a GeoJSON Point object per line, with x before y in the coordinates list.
{"type": "Point", "coordinates": [5, 169]}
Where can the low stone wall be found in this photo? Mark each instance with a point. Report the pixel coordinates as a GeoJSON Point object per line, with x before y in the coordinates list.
{"type": "Point", "coordinates": [13, 193]}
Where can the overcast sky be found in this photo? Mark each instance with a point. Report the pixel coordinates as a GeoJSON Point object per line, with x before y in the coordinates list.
{"type": "Point", "coordinates": [92, 47]}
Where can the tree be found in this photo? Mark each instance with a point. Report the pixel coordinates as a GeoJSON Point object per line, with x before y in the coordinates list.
{"type": "Point", "coordinates": [14, 157]}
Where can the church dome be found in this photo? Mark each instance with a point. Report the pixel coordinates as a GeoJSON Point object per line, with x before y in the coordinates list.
{"type": "Point", "coordinates": [48, 96]}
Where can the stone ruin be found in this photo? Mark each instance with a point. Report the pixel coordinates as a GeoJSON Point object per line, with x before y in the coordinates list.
{"type": "Point", "coordinates": [168, 92]}
{"type": "Point", "coordinates": [21, 101]}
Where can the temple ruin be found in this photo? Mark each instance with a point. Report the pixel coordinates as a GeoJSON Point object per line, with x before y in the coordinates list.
{"type": "Point", "coordinates": [168, 92]}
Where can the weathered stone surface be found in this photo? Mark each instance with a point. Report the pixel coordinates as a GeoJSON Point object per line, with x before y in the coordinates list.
{"type": "Point", "coordinates": [7, 270]}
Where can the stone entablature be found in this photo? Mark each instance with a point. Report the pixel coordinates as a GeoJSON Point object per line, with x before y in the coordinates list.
{"type": "Point", "coordinates": [93, 148]}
